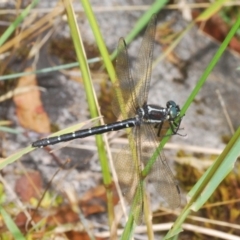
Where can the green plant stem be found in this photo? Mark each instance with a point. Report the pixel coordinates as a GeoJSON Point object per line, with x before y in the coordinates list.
{"type": "Point", "coordinates": [99, 39]}
{"type": "Point", "coordinates": [81, 56]}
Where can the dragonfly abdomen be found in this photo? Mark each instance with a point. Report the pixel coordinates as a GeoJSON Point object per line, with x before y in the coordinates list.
{"type": "Point", "coordinates": [131, 122]}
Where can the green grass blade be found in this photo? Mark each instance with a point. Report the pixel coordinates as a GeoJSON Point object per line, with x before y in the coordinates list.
{"type": "Point", "coordinates": [136, 212]}
{"type": "Point", "coordinates": [128, 229]}
{"type": "Point", "coordinates": [12, 227]}
{"type": "Point", "coordinates": [99, 39]}
{"type": "Point", "coordinates": [210, 180]}
{"type": "Point", "coordinates": [81, 56]}
{"type": "Point", "coordinates": [204, 188]}
{"type": "Point", "coordinates": [213, 9]}
{"type": "Point", "coordinates": [14, 157]}
{"type": "Point", "coordinates": [9, 130]}
{"type": "Point", "coordinates": [84, 68]}
{"type": "Point", "coordinates": [103, 49]}
{"type": "Point", "coordinates": [46, 70]}
{"type": "Point", "coordinates": [16, 23]}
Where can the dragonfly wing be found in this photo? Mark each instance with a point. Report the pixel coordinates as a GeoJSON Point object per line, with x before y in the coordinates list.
{"type": "Point", "coordinates": [128, 169]}
{"type": "Point", "coordinates": [163, 181]}
{"type": "Point", "coordinates": [124, 85]}
{"type": "Point", "coordinates": [137, 204]}
{"type": "Point", "coordinates": [160, 174]}
{"type": "Point", "coordinates": [126, 172]}
{"type": "Point", "coordinates": [143, 67]}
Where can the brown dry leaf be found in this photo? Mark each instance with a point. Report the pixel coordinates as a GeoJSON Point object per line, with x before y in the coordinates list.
{"type": "Point", "coordinates": [73, 235]}
{"type": "Point", "coordinates": [95, 200]}
{"type": "Point", "coordinates": [29, 186]}
{"type": "Point", "coordinates": [22, 221]}
{"type": "Point", "coordinates": [218, 29]}
{"type": "Point", "coordinates": [56, 216]}
{"type": "Point", "coordinates": [214, 27]}
{"type": "Point", "coordinates": [62, 215]}
{"type": "Point", "coordinates": [65, 215]}
{"type": "Point", "coordinates": [235, 44]}
{"type": "Point", "coordinates": [29, 107]}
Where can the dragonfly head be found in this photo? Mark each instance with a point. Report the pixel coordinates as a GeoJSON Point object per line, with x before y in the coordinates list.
{"type": "Point", "coordinates": [173, 109]}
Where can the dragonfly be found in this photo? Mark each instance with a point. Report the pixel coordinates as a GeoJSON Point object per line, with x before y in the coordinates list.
{"type": "Point", "coordinates": [144, 122]}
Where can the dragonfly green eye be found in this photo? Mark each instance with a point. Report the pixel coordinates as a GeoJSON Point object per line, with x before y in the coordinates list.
{"type": "Point", "coordinates": [171, 104]}
{"type": "Point", "coordinates": [173, 112]}
{"type": "Point", "coordinates": [173, 109]}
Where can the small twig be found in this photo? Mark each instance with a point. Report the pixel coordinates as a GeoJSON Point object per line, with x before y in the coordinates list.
{"type": "Point", "coordinates": [225, 111]}
{"type": "Point", "coordinates": [168, 146]}
{"type": "Point", "coordinates": [46, 189]}
{"type": "Point", "coordinates": [19, 90]}
{"type": "Point", "coordinates": [185, 226]}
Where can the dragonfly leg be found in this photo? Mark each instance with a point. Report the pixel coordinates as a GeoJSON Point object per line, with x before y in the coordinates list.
{"type": "Point", "coordinates": [159, 129]}
{"type": "Point", "coordinates": [175, 127]}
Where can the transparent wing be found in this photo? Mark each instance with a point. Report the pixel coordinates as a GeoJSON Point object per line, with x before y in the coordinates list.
{"type": "Point", "coordinates": [129, 177]}
{"type": "Point", "coordinates": [143, 67]}
{"type": "Point", "coordinates": [134, 90]}
{"type": "Point", "coordinates": [124, 84]}
{"type": "Point", "coordinates": [137, 204]}
{"type": "Point", "coordinates": [160, 175]}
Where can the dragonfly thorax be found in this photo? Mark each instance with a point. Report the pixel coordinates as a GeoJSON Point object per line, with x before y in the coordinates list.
{"type": "Point", "coordinates": [151, 113]}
